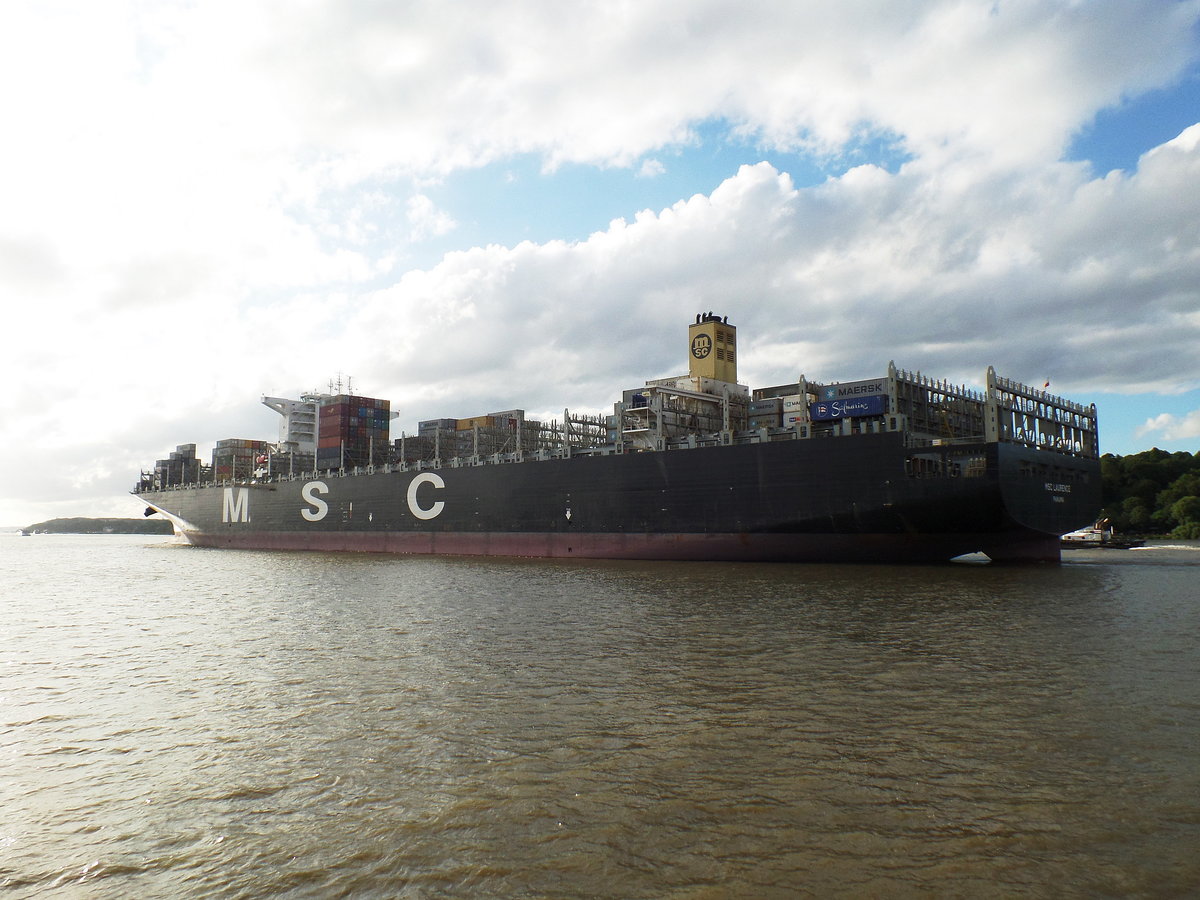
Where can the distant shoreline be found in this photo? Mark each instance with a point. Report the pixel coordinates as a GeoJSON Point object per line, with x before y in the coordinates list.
{"type": "Point", "coordinates": [80, 525]}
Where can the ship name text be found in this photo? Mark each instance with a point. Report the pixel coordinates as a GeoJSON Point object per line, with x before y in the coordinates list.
{"type": "Point", "coordinates": [317, 508]}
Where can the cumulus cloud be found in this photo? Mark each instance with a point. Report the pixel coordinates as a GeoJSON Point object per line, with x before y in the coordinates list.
{"type": "Point", "coordinates": [426, 219]}
{"type": "Point", "coordinates": [1172, 427]}
{"type": "Point", "coordinates": [651, 168]}
{"type": "Point", "coordinates": [442, 87]}
{"type": "Point", "coordinates": [833, 281]}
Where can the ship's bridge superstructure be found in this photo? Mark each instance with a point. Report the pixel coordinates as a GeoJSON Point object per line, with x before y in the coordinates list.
{"type": "Point", "coordinates": [298, 430]}
{"type": "Point", "coordinates": [707, 400]}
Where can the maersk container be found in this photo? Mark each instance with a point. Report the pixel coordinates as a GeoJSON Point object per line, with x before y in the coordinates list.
{"type": "Point", "coordinates": [765, 420]}
{"type": "Point", "coordinates": [793, 402]}
{"type": "Point", "coordinates": [771, 405]}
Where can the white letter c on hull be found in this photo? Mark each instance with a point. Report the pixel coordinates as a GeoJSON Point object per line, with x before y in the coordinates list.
{"type": "Point", "coordinates": [415, 508]}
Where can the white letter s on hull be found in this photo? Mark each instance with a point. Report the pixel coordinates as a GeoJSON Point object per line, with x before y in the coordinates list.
{"type": "Point", "coordinates": [319, 506]}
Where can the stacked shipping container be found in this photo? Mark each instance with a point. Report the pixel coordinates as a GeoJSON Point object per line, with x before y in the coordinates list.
{"type": "Point", "coordinates": [237, 458]}
{"type": "Point", "coordinates": [289, 462]}
{"type": "Point", "coordinates": [781, 405]}
{"type": "Point", "coordinates": [181, 467]}
{"type": "Point", "coordinates": [496, 432]}
{"type": "Point", "coordinates": [430, 427]}
{"type": "Point", "coordinates": [766, 413]}
{"type": "Point", "coordinates": [352, 431]}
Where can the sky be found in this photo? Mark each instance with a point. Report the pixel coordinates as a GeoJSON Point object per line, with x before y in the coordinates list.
{"type": "Point", "coordinates": [470, 206]}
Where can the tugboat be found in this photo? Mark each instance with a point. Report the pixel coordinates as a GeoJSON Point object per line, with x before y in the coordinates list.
{"type": "Point", "coordinates": [1099, 534]}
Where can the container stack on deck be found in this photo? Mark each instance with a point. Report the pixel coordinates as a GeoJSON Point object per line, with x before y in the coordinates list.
{"type": "Point", "coordinates": [352, 431]}
{"type": "Point", "coordinates": [476, 436]}
{"type": "Point", "coordinates": [237, 458]}
{"type": "Point", "coordinates": [180, 467]}
{"type": "Point", "coordinates": [766, 413]}
{"type": "Point", "coordinates": [291, 462]}
{"type": "Point", "coordinates": [782, 406]}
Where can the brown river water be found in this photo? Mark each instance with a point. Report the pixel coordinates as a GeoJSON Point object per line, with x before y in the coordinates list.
{"type": "Point", "coordinates": [177, 722]}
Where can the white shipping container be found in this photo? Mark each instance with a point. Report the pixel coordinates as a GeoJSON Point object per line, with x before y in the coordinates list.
{"type": "Point", "coordinates": [794, 402]}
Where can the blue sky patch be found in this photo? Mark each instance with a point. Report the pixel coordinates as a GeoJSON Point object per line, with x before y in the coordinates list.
{"type": "Point", "coordinates": [1119, 135]}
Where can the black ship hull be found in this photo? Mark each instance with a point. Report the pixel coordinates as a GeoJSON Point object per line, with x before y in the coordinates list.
{"type": "Point", "coordinates": [862, 498]}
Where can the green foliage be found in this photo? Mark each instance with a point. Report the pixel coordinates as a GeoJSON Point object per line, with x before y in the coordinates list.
{"type": "Point", "coordinates": [1188, 532]}
{"type": "Point", "coordinates": [1134, 515]}
{"type": "Point", "coordinates": [1185, 511]}
{"type": "Point", "coordinates": [1153, 491]}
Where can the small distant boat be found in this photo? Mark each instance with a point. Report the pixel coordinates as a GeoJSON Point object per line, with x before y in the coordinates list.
{"type": "Point", "coordinates": [1099, 534]}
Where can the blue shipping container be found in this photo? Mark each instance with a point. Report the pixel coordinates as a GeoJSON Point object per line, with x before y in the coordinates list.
{"type": "Point", "coordinates": [875, 405]}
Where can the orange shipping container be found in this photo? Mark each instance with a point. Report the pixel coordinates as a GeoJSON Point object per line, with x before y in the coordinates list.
{"type": "Point", "coordinates": [481, 421]}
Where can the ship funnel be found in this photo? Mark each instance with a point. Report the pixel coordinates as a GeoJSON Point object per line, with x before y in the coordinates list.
{"type": "Point", "coordinates": [712, 348]}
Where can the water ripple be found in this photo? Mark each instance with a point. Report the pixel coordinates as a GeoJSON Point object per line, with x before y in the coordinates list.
{"type": "Point", "coordinates": [200, 723]}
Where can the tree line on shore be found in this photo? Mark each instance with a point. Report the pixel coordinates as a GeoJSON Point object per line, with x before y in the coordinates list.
{"type": "Point", "coordinates": [82, 525]}
{"type": "Point", "coordinates": [1153, 492]}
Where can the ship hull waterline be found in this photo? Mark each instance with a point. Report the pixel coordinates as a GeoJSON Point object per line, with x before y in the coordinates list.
{"type": "Point", "coordinates": [867, 548]}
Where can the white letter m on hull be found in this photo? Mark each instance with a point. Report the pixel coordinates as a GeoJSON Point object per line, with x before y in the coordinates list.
{"type": "Point", "coordinates": [235, 510]}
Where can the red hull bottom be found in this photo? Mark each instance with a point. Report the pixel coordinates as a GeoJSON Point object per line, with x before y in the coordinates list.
{"type": "Point", "coordinates": [1019, 547]}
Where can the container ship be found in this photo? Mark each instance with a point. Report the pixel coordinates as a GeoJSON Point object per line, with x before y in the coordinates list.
{"type": "Point", "coordinates": [895, 468]}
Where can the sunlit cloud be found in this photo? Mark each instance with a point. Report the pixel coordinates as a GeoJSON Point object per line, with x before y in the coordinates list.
{"type": "Point", "coordinates": [1172, 427]}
